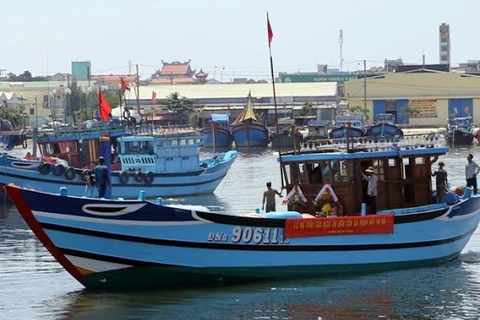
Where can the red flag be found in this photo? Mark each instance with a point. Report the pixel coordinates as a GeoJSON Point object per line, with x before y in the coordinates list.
{"type": "Point", "coordinates": [154, 97]}
{"type": "Point", "coordinates": [124, 85]}
{"type": "Point", "coordinates": [270, 32]}
{"type": "Point", "coordinates": [104, 106]}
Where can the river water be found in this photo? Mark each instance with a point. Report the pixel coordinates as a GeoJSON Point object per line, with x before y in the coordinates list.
{"type": "Point", "coordinates": [34, 286]}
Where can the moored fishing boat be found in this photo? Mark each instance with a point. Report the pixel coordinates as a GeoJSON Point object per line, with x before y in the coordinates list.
{"type": "Point", "coordinates": [347, 126]}
{"type": "Point", "coordinates": [384, 128]}
{"type": "Point", "coordinates": [217, 132]}
{"type": "Point", "coordinates": [163, 165]}
{"type": "Point", "coordinates": [123, 244]}
{"type": "Point", "coordinates": [459, 131]}
{"type": "Point", "coordinates": [247, 130]}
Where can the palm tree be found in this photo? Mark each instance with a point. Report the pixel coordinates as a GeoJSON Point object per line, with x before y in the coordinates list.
{"type": "Point", "coordinates": [307, 108]}
{"type": "Point", "coordinates": [179, 105]}
{"type": "Point", "coordinates": [17, 117]}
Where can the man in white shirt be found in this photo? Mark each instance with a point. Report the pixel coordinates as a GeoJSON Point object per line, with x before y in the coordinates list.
{"type": "Point", "coordinates": [371, 190]}
{"type": "Point", "coordinates": [471, 171]}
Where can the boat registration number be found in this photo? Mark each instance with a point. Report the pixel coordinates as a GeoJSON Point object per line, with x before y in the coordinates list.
{"type": "Point", "coordinates": [254, 235]}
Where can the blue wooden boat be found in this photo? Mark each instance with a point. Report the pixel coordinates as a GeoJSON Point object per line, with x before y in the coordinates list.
{"type": "Point", "coordinates": [217, 132]}
{"type": "Point", "coordinates": [9, 138]}
{"type": "Point", "coordinates": [347, 125]}
{"type": "Point", "coordinates": [111, 244]}
{"type": "Point", "coordinates": [384, 128]}
{"type": "Point", "coordinates": [162, 165]}
{"type": "Point", "coordinates": [247, 131]}
{"type": "Point", "coordinates": [459, 131]}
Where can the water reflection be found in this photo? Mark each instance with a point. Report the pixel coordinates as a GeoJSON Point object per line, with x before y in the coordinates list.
{"type": "Point", "coordinates": [431, 293]}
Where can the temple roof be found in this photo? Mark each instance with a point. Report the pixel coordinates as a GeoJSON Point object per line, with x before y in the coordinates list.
{"type": "Point", "coordinates": [175, 68]}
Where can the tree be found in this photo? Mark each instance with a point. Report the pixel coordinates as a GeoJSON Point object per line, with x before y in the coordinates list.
{"type": "Point", "coordinates": [17, 117]}
{"type": "Point", "coordinates": [179, 105]}
{"type": "Point", "coordinates": [307, 108]}
{"type": "Point", "coordinates": [359, 110]}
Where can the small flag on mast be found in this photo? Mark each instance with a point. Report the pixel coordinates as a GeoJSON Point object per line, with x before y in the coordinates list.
{"type": "Point", "coordinates": [270, 32]}
{"type": "Point", "coordinates": [124, 85]}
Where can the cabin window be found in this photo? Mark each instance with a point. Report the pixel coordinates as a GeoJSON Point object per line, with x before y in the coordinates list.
{"type": "Point", "coordinates": [392, 162]}
{"type": "Point", "coordinates": [173, 142]}
{"type": "Point", "coordinates": [286, 173]}
{"type": "Point", "coordinates": [420, 160]}
{"type": "Point", "coordinates": [380, 169]}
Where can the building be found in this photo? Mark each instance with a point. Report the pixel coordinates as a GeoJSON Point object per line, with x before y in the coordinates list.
{"type": "Point", "coordinates": [81, 70]}
{"type": "Point", "coordinates": [444, 36]}
{"type": "Point", "coordinates": [233, 97]}
{"type": "Point", "coordinates": [434, 95]}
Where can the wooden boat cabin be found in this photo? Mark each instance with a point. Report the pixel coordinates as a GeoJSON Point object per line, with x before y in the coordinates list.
{"type": "Point", "coordinates": [79, 147]}
{"type": "Point", "coordinates": [403, 170]}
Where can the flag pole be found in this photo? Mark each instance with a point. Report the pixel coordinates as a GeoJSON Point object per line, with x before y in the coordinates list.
{"type": "Point", "coordinates": [270, 37]}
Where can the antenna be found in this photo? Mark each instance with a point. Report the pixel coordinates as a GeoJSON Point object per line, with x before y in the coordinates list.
{"type": "Point", "coordinates": [341, 48]}
{"type": "Point", "coordinates": [129, 67]}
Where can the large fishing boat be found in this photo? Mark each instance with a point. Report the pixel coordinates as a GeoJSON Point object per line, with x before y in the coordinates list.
{"type": "Point", "coordinates": [217, 132]}
{"type": "Point", "coordinates": [325, 231]}
{"type": "Point", "coordinates": [162, 165]}
{"type": "Point", "coordinates": [247, 130]}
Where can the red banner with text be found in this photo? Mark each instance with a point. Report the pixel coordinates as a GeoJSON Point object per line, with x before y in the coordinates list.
{"type": "Point", "coordinates": [336, 226]}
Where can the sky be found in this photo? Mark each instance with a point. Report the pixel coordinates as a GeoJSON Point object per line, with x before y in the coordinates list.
{"type": "Point", "coordinates": [229, 38]}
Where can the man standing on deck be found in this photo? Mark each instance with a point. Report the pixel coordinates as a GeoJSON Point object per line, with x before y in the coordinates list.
{"type": "Point", "coordinates": [102, 177]}
{"type": "Point", "coordinates": [441, 180]}
{"type": "Point", "coordinates": [471, 171]}
{"type": "Point", "coordinates": [269, 196]}
{"type": "Point", "coordinates": [372, 189]}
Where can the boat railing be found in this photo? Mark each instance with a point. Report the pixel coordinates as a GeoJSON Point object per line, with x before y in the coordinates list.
{"type": "Point", "coordinates": [373, 144]}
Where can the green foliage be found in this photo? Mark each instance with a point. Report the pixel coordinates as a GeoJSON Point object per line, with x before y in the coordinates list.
{"type": "Point", "coordinates": [26, 76]}
{"type": "Point", "coordinates": [307, 108]}
{"type": "Point", "coordinates": [359, 110]}
{"type": "Point", "coordinates": [17, 117]}
{"type": "Point", "coordinates": [179, 105]}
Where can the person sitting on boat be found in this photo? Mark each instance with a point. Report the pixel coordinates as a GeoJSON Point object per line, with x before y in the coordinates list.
{"type": "Point", "coordinates": [90, 186]}
{"type": "Point", "coordinates": [471, 172]}
{"type": "Point", "coordinates": [269, 196]}
{"type": "Point", "coordinates": [102, 177]}
{"type": "Point", "coordinates": [372, 179]}
{"type": "Point", "coordinates": [441, 179]}
{"type": "Point", "coordinates": [28, 156]}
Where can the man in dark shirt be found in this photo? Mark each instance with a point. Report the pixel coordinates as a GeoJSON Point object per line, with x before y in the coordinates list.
{"type": "Point", "coordinates": [441, 179]}
{"type": "Point", "coordinates": [102, 177]}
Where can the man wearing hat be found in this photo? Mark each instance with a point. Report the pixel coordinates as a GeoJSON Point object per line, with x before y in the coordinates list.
{"type": "Point", "coordinates": [102, 177]}
{"type": "Point", "coordinates": [372, 179]}
{"type": "Point", "coordinates": [441, 179]}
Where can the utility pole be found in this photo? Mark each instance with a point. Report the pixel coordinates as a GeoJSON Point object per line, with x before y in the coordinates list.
{"type": "Point", "coordinates": [365, 86]}
{"type": "Point", "coordinates": [137, 90]}
{"type": "Point", "coordinates": [341, 49]}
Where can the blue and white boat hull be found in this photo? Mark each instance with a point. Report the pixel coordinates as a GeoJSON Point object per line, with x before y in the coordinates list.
{"type": "Point", "coordinates": [107, 244]}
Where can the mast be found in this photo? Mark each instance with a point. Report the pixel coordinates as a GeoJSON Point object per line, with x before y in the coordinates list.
{"type": "Point", "coordinates": [137, 91]}
{"type": "Point", "coordinates": [365, 87]}
{"type": "Point", "coordinates": [270, 37]}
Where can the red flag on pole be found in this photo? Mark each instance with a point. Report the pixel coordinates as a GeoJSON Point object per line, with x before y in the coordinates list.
{"type": "Point", "coordinates": [270, 32]}
{"type": "Point", "coordinates": [104, 106]}
{"type": "Point", "coordinates": [124, 85]}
